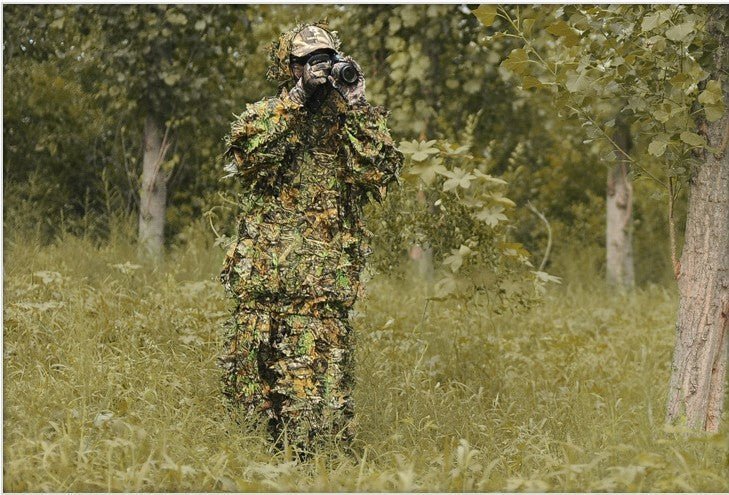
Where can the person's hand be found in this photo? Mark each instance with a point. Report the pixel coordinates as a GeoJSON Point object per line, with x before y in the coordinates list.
{"type": "Point", "coordinates": [311, 78]}
{"type": "Point", "coordinates": [354, 93]}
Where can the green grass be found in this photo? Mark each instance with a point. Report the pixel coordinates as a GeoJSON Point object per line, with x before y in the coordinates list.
{"type": "Point", "coordinates": [110, 383]}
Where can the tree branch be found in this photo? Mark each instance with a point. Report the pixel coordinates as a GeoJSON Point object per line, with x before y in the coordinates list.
{"type": "Point", "coordinates": [549, 234]}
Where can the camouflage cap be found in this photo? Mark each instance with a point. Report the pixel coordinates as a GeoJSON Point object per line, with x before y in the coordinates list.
{"type": "Point", "coordinates": [309, 39]}
{"type": "Point", "coordinates": [281, 49]}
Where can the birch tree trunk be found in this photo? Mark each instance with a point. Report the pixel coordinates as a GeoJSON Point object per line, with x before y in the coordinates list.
{"type": "Point", "coordinates": [698, 379]}
{"type": "Point", "coordinates": [619, 224]}
{"type": "Point", "coordinates": [153, 194]}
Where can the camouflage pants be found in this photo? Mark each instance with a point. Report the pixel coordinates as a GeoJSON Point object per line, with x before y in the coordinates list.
{"type": "Point", "coordinates": [294, 369]}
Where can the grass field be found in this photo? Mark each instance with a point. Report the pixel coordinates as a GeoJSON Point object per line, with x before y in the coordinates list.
{"type": "Point", "coordinates": [110, 383]}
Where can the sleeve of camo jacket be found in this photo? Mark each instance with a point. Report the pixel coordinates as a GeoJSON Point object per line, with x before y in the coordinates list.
{"type": "Point", "coordinates": [373, 161]}
{"type": "Point", "coordinates": [261, 137]}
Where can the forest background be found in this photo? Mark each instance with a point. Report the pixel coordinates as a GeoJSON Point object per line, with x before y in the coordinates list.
{"type": "Point", "coordinates": [511, 339]}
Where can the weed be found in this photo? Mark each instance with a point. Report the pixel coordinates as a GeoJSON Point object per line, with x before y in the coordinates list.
{"type": "Point", "coordinates": [111, 384]}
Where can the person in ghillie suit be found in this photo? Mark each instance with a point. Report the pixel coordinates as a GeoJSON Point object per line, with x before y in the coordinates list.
{"type": "Point", "coordinates": [309, 160]}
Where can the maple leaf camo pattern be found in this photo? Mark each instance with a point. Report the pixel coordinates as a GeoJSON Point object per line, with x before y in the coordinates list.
{"type": "Point", "coordinates": [294, 268]}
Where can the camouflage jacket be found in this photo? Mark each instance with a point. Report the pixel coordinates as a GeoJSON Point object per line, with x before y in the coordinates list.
{"type": "Point", "coordinates": [301, 243]}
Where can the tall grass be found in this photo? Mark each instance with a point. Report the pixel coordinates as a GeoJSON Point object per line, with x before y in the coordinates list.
{"type": "Point", "coordinates": [111, 384]}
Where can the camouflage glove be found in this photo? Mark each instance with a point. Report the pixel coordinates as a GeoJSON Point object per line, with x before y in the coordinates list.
{"type": "Point", "coordinates": [312, 77]}
{"type": "Point", "coordinates": [354, 93]}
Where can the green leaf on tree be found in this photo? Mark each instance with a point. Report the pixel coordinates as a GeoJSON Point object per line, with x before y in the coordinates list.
{"type": "Point", "coordinates": [501, 199]}
{"type": "Point", "coordinates": [527, 24]}
{"type": "Point", "coordinates": [680, 80]}
{"type": "Point", "coordinates": [712, 94]}
{"type": "Point", "coordinates": [457, 178]}
{"type": "Point", "coordinates": [658, 145]}
{"type": "Point", "coordinates": [428, 170]}
{"type": "Point", "coordinates": [661, 115]}
{"type": "Point", "coordinates": [680, 32]}
{"type": "Point", "coordinates": [517, 61]}
{"type": "Point", "coordinates": [455, 260]}
{"type": "Point", "coordinates": [492, 215]}
{"type": "Point", "coordinates": [714, 112]}
{"type": "Point", "coordinates": [529, 82]}
{"type": "Point", "coordinates": [655, 19]}
{"type": "Point", "coordinates": [418, 151]}
{"type": "Point", "coordinates": [514, 249]}
{"type": "Point", "coordinates": [455, 150]}
{"type": "Point", "coordinates": [692, 138]}
{"type": "Point", "coordinates": [486, 14]}
{"type": "Point", "coordinates": [577, 83]}
{"type": "Point", "coordinates": [489, 178]}
{"type": "Point", "coordinates": [561, 28]}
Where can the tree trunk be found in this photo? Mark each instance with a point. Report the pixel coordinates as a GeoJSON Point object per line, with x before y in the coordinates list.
{"type": "Point", "coordinates": [153, 194]}
{"type": "Point", "coordinates": [698, 379]}
{"type": "Point", "coordinates": [619, 225]}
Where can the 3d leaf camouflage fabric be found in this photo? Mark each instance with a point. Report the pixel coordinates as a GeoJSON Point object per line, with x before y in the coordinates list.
{"type": "Point", "coordinates": [295, 266]}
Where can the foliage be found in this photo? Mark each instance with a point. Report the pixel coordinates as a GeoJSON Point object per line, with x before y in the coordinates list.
{"type": "Point", "coordinates": [110, 374]}
{"type": "Point", "coordinates": [179, 65]}
{"type": "Point", "coordinates": [52, 157]}
{"type": "Point", "coordinates": [126, 61]}
{"type": "Point", "coordinates": [429, 64]}
{"type": "Point", "coordinates": [647, 64]}
{"type": "Point", "coordinates": [652, 60]}
{"type": "Point", "coordinates": [449, 206]}
{"type": "Point", "coordinates": [111, 384]}
{"type": "Point", "coordinates": [171, 62]}
{"type": "Point", "coordinates": [425, 64]}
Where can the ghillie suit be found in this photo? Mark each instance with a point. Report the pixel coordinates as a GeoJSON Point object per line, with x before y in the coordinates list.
{"type": "Point", "coordinates": [295, 266]}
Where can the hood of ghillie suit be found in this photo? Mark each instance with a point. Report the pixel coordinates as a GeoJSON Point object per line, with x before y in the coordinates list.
{"type": "Point", "coordinates": [280, 50]}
